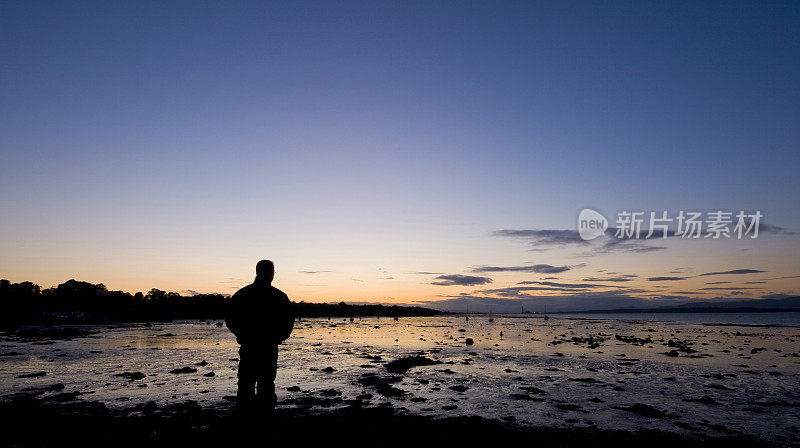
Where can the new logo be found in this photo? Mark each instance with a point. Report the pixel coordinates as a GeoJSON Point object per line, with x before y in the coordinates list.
{"type": "Point", "coordinates": [591, 224]}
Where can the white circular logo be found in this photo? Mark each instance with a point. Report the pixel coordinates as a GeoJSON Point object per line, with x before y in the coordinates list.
{"type": "Point", "coordinates": [591, 224]}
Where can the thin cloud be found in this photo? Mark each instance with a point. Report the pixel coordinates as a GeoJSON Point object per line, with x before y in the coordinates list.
{"type": "Point", "coordinates": [567, 289]}
{"type": "Point", "coordinates": [734, 271]}
{"type": "Point", "coordinates": [312, 272]}
{"type": "Point", "coordinates": [781, 278]}
{"type": "Point", "coordinates": [544, 237]}
{"type": "Point", "coordinates": [537, 268]}
{"type": "Point", "coordinates": [620, 278]}
{"type": "Point", "coordinates": [768, 228]}
{"type": "Point", "coordinates": [634, 243]}
{"type": "Point", "coordinates": [461, 280]}
{"type": "Point", "coordinates": [188, 292]}
{"type": "Point", "coordinates": [522, 291]}
{"type": "Point", "coordinates": [627, 245]}
{"type": "Point", "coordinates": [569, 285]}
{"type": "Point", "coordinates": [560, 237]}
{"type": "Point", "coordinates": [234, 280]}
{"type": "Point", "coordinates": [662, 279]}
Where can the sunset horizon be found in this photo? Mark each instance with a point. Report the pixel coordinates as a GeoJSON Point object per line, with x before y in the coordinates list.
{"type": "Point", "coordinates": [179, 177]}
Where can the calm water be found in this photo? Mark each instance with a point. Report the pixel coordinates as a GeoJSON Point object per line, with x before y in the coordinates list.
{"type": "Point", "coordinates": [786, 319]}
{"type": "Point", "coordinates": [737, 379]}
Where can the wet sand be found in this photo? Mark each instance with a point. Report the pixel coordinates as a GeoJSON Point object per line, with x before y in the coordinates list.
{"type": "Point", "coordinates": [574, 376]}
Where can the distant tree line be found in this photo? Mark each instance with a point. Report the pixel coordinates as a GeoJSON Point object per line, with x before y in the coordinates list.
{"type": "Point", "coordinates": [83, 302]}
{"type": "Point", "coordinates": [343, 309]}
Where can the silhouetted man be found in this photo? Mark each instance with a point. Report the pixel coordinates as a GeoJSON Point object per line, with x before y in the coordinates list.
{"type": "Point", "coordinates": [261, 318]}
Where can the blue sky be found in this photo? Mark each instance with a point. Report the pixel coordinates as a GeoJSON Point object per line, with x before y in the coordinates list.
{"type": "Point", "coordinates": [172, 145]}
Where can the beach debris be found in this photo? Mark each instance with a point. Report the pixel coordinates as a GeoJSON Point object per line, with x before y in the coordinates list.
{"type": "Point", "coordinates": [132, 376]}
{"type": "Point", "coordinates": [32, 374]}
{"type": "Point", "coordinates": [589, 380]}
{"type": "Point", "coordinates": [645, 410]}
{"type": "Point", "coordinates": [402, 365]}
{"type": "Point", "coordinates": [705, 399]}
{"type": "Point", "coordinates": [569, 407]}
{"type": "Point", "coordinates": [633, 339]}
{"type": "Point", "coordinates": [63, 397]}
{"type": "Point", "coordinates": [330, 393]}
{"type": "Point", "coordinates": [383, 384]}
{"type": "Point", "coordinates": [524, 397]}
{"type": "Point", "coordinates": [533, 390]}
{"type": "Point", "coordinates": [681, 346]}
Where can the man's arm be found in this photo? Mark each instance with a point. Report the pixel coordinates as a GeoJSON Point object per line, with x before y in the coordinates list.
{"type": "Point", "coordinates": [288, 318]}
{"type": "Point", "coordinates": [233, 320]}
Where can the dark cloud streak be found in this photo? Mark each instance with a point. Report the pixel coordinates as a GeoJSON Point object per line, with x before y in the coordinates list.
{"type": "Point", "coordinates": [536, 268]}
{"type": "Point", "coordinates": [734, 271]}
{"type": "Point", "coordinates": [461, 280]}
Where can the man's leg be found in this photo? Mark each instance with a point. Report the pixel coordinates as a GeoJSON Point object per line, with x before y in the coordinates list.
{"type": "Point", "coordinates": [247, 375]}
{"type": "Point", "coordinates": [266, 378]}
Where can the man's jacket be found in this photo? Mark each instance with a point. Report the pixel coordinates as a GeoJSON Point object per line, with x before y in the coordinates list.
{"type": "Point", "coordinates": [260, 315]}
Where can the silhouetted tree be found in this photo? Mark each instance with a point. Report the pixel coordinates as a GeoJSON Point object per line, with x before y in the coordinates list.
{"type": "Point", "coordinates": [156, 294]}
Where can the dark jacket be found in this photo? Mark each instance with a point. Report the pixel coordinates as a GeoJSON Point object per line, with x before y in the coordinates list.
{"type": "Point", "coordinates": [260, 315]}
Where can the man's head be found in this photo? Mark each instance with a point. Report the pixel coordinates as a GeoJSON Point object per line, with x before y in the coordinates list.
{"type": "Point", "coordinates": [265, 270]}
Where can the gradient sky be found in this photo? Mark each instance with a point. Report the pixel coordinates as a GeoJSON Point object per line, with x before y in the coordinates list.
{"type": "Point", "coordinates": [173, 144]}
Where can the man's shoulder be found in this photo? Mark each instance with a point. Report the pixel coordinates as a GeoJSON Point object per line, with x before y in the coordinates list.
{"type": "Point", "coordinates": [244, 291]}
{"type": "Point", "coordinates": [254, 291]}
{"type": "Point", "coordinates": [278, 293]}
